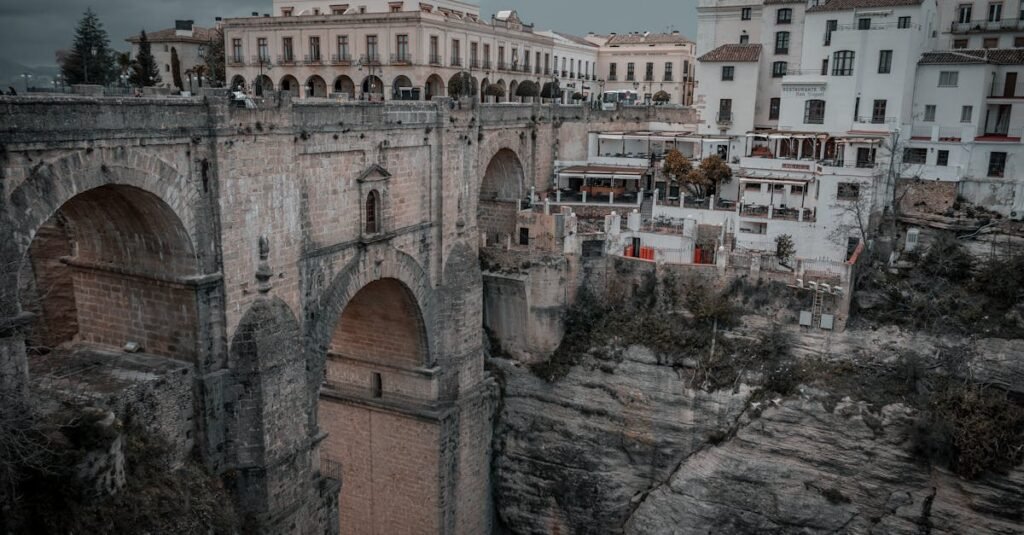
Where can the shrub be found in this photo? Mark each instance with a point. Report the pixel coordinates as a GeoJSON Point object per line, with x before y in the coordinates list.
{"type": "Point", "coordinates": [462, 85]}
{"type": "Point", "coordinates": [785, 249]}
{"type": "Point", "coordinates": [494, 90]}
{"type": "Point", "coordinates": [946, 258]}
{"type": "Point", "coordinates": [662, 97]}
{"type": "Point", "coordinates": [527, 89]}
{"type": "Point", "coordinates": [551, 90]}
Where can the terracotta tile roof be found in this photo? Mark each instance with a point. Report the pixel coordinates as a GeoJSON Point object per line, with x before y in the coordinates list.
{"type": "Point", "coordinates": [199, 35]}
{"type": "Point", "coordinates": [739, 53]}
{"type": "Point", "coordinates": [576, 39]}
{"type": "Point", "coordinates": [840, 5]}
{"type": "Point", "coordinates": [994, 56]}
{"type": "Point", "coordinates": [647, 39]}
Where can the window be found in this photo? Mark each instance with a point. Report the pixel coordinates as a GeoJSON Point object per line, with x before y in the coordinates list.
{"type": "Point", "coordinates": [884, 61]}
{"type": "Point", "coordinates": [435, 55]}
{"type": "Point", "coordinates": [287, 49]}
{"type": "Point", "coordinates": [784, 16]}
{"type": "Point", "coordinates": [474, 55]}
{"type": "Point", "coordinates": [744, 39]}
{"type": "Point", "coordinates": [630, 71]}
{"type": "Point", "coordinates": [949, 78]}
{"type": "Point", "coordinates": [878, 112]}
{"type": "Point", "coordinates": [314, 49]}
{"type": "Point", "coordinates": [997, 164]}
{"type": "Point", "coordinates": [524, 236]}
{"type": "Point", "coordinates": [376, 385]}
{"type": "Point", "coordinates": [263, 50]}
{"type": "Point", "coordinates": [745, 13]}
{"type": "Point", "coordinates": [286, 11]}
{"type": "Point", "coordinates": [487, 56]}
{"type": "Point", "coordinates": [773, 108]}
{"type": "Point", "coordinates": [779, 69]}
{"type": "Point", "coordinates": [929, 113]}
{"type": "Point", "coordinates": [842, 64]}
{"type": "Point", "coordinates": [612, 69]}
{"type": "Point", "coordinates": [236, 50]}
{"type": "Point", "coordinates": [903, 22]}
{"type": "Point", "coordinates": [942, 159]}
{"type": "Point", "coordinates": [796, 190]}
{"type": "Point", "coordinates": [343, 51]}
{"type": "Point", "coordinates": [814, 112]}
{"type": "Point", "coordinates": [864, 23]}
{"type": "Point", "coordinates": [782, 42]}
{"type": "Point", "coordinates": [965, 114]}
{"type": "Point", "coordinates": [990, 42]}
{"type": "Point", "coordinates": [830, 26]}
{"type": "Point", "coordinates": [856, 108]}
{"type": "Point", "coordinates": [402, 47]}
{"type": "Point", "coordinates": [728, 72]}
{"type": "Point", "coordinates": [372, 53]}
{"type": "Point", "coordinates": [725, 110]}
{"type": "Point", "coordinates": [964, 14]}
{"type": "Point", "coordinates": [995, 12]}
{"type": "Point", "coordinates": [649, 73]}
{"type": "Point", "coordinates": [865, 157]}
{"type": "Point", "coordinates": [848, 191]}
{"type": "Point", "coordinates": [918, 156]}
{"type": "Point", "coordinates": [960, 43]}
{"type": "Point", "coordinates": [372, 213]}
{"type": "Point", "coordinates": [824, 67]}
{"type": "Point", "coordinates": [1018, 42]}
{"type": "Point", "coordinates": [668, 72]}
{"type": "Point", "coordinates": [752, 187]}
{"type": "Point", "coordinates": [456, 53]}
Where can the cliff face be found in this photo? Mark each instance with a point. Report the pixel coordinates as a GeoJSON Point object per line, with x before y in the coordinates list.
{"type": "Point", "coordinates": [623, 444]}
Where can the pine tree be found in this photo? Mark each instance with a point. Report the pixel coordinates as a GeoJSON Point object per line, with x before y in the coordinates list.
{"type": "Point", "coordinates": [176, 69]}
{"type": "Point", "coordinates": [145, 72]}
{"type": "Point", "coordinates": [91, 60]}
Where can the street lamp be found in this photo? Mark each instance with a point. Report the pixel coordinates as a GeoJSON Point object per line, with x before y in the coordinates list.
{"type": "Point", "coordinates": [124, 79]}
{"type": "Point", "coordinates": [26, 77]}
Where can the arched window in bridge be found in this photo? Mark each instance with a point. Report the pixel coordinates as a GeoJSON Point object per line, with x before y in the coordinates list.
{"type": "Point", "coordinates": [373, 213]}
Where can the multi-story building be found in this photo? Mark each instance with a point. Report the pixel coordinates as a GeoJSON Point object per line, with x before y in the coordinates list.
{"type": "Point", "coordinates": [189, 41]}
{"type": "Point", "coordinates": [982, 24]}
{"type": "Point", "coordinates": [380, 50]}
{"type": "Point", "coordinates": [574, 65]}
{"type": "Point", "coordinates": [647, 63]}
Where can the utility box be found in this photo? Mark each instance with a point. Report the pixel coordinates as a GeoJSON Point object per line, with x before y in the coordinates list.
{"type": "Point", "coordinates": [805, 318]}
{"type": "Point", "coordinates": [827, 321]}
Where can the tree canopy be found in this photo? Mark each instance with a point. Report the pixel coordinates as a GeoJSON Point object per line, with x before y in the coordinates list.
{"type": "Point", "coordinates": [551, 90]}
{"type": "Point", "coordinates": [527, 89]}
{"type": "Point", "coordinates": [176, 69]}
{"type": "Point", "coordinates": [144, 72]}
{"type": "Point", "coordinates": [705, 179]}
{"type": "Point", "coordinates": [216, 67]}
{"type": "Point", "coordinates": [90, 59]}
{"type": "Point", "coordinates": [676, 165]}
{"type": "Point", "coordinates": [494, 90]}
{"type": "Point", "coordinates": [462, 85]}
{"type": "Point", "coordinates": [662, 97]}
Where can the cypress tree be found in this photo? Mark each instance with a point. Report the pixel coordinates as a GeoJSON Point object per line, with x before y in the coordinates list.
{"type": "Point", "coordinates": [176, 69]}
{"type": "Point", "coordinates": [144, 72]}
{"type": "Point", "coordinates": [91, 60]}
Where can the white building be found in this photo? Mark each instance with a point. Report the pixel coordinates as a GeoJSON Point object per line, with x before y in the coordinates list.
{"type": "Point", "coordinates": [982, 24]}
{"type": "Point", "coordinates": [573, 64]}
{"type": "Point", "coordinates": [188, 40]}
{"type": "Point", "coordinates": [647, 63]}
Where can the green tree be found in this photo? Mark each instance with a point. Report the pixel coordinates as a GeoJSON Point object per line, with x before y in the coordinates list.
{"type": "Point", "coordinates": [144, 71]}
{"type": "Point", "coordinates": [494, 90]}
{"type": "Point", "coordinates": [216, 66]}
{"type": "Point", "coordinates": [462, 85]}
{"type": "Point", "coordinates": [527, 89]}
{"type": "Point", "coordinates": [551, 90]}
{"type": "Point", "coordinates": [661, 97]}
{"type": "Point", "coordinates": [176, 69]}
{"type": "Point", "coordinates": [785, 249]}
{"type": "Point", "coordinates": [708, 176]}
{"type": "Point", "coordinates": [90, 60]}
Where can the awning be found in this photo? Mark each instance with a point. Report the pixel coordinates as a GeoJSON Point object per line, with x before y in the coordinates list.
{"type": "Point", "coordinates": [774, 181]}
{"type": "Point", "coordinates": [603, 171]}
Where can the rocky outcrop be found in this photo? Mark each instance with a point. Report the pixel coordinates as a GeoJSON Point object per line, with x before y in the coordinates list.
{"type": "Point", "coordinates": [623, 444]}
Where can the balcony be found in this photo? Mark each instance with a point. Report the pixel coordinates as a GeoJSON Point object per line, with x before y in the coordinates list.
{"type": "Point", "coordinates": [261, 60]}
{"type": "Point", "coordinates": [487, 65]}
{"type": "Point", "coordinates": [236, 60]}
{"type": "Point", "coordinates": [978, 26]}
{"type": "Point", "coordinates": [456, 61]}
{"type": "Point", "coordinates": [286, 59]}
{"type": "Point", "coordinates": [341, 59]}
{"type": "Point", "coordinates": [370, 59]}
{"type": "Point", "coordinates": [435, 59]}
{"type": "Point", "coordinates": [667, 79]}
{"type": "Point", "coordinates": [724, 117]}
{"type": "Point", "coordinates": [312, 59]}
{"type": "Point", "coordinates": [474, 64]}
{"type": "Point", "coordinates": [502, 66]}
{"type": "Point", "coordinates": [565, 74]}
{"type": "Point", "coordinates": [401, 58]}
{"type": "Point", "coordinates": [1001, 134]}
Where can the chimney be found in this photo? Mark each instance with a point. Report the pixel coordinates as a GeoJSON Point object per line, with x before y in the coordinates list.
{"type": "Point", "coordinates": [255, 13]}
{"type": "Point", "coordinates": [675, 32]}
{"type": "Point", "coordinates": [183, 28]}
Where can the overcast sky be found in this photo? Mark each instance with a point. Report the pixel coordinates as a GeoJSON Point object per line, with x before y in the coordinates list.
{"type": "Point", "coordinates": [31, 30]}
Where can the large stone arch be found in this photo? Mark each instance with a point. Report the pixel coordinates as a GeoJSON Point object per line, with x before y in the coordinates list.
{"type": "Point", "coordinates": [502, 185]}
{"type": "Point", "coordinates": [52, 184]}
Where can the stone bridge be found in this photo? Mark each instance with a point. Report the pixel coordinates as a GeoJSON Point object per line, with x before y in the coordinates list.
{"type": "Point", "coordinates": [311, 268]}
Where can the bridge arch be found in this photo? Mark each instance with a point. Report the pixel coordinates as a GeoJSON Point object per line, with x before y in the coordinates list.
{"type": "Point", "coordinates": [501, 188]}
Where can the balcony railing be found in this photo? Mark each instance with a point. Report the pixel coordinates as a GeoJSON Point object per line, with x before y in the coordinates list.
{"type": "Point", "coordinates": [502, 66]}
{"type": "Point", "coordinates": [613, 78]}
{"type": "Point", "coordinates": [370, 59]}
{"type": "Point", "coordinates": [526, 68]}
{"type": "Point", "coordinates": [547, 71]}
{"type": "Point", "coordinates": [668, 79]}
{"type": "Point", "coordinates": [474, 64]}
{"type": "Point", "coordinates": [341, 59]}
{"type": "Point", "coordinates": [487, 65]}
{"type": "Point", "coordinates": [565, 74]}
{"type": "Point", "coordinates": [435, 59]}
{"type": "Point", "coordinates": [977, 26]}
{"type": "Point", "coordinates": [261, 60]}
{"type": "Point", "coordinates": [456, 61]}
{"type": "Point", "coordinates": [312, 59]}
{"type": "Point", "coordinates": [876, 119]}
{"type": "Point", "coordinates": [724, 117]}
{"type": "Point", "coordinates": [286, 59]}
{"type": "Point", "coordinates": [402, 58]}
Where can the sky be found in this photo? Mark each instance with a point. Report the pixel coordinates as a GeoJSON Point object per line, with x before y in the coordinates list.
{"type": "Point", "coordinates": [31, 30]}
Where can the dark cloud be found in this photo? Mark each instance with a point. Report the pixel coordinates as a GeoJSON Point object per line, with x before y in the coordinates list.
{"type": "Point", "coordinates": [31, 30]}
